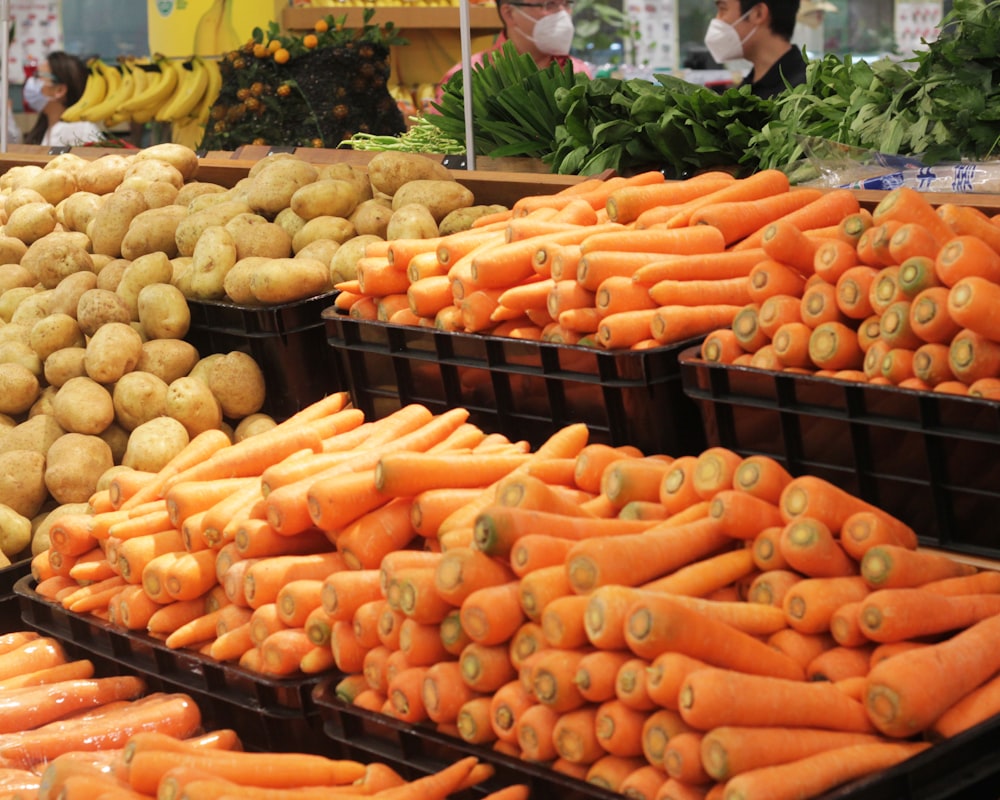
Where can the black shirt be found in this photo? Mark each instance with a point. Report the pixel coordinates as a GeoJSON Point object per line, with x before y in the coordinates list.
{"type": "Point", "coordinates": [791, 67]}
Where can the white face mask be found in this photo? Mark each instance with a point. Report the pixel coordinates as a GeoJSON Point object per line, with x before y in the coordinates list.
{"type": "Point", "coordinates": [33, 94]}
{"type": "Point", "coordinates": [723, 41]}
{"type": "Point", "coordinates": [552, 34]}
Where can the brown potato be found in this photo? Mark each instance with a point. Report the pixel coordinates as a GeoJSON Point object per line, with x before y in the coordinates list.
{"type": "Point", "coordinates": [152, 170]}
{"type": "Point", "coordinates": [372, 217]}
{"type": "Point", "coordinates": [325, 198]}
{"type": "Point", "coordinates": [338, 229]}
{"type": "Point", "coordinates": [192, 189]}
{"type": "Point", "coordinates": [163, 312]}
{"type": "Point", "coordinates": [237, 382]}
{"type": "Point", "coordinates": [412, 221]}
{"type": "Point", "coordinates": [98, 307]}
{"type": "Point", "coordinates": [214, 255]}
{"type": "Point", "coordinates": [113, 350]}
{"type": "Point", "coordinates": [15, 532]}
{"type": "Point", "coordinates": [110, 275]}
{"type": "Point", "coordinates": [64, 364]}
{"type": "Point", "coordinates": [74, 464]}
{"type": "Point", "coordinates": [55, 257]}
{"type": "Point", "coordinates": [253, 424]}
{"type": "Point", "coordinates": [14, 276]}
{"type": "Point", "coordinates": [22, 481]}
{"type": "Point", "coordinates": [344, 171]}
{"type": "Point", "coordinates": [183, 158]}
{"type": "Point", "coordinates": [20, 197]}
{"type": "Point", "coordinates": [461, 219]}
{"type": "Point", "coordinates": [104, 174]}
{"type": "Point", "coordinates": [43, 405]}
{"type": "Point", "coordinates": [282, 280]}
{"type": "Point", "coordinates": [77, 210]}
{"type": "Point", "coordinates": [32, 308]}
{"type": "Point", "coordinates": [12, 298]}
{"type": "Point", "coordinates": [145, 270]}
{"type": "Point", "coordinates": [117, 439]}
{"type": "Point", "coordinates": [109, 225]}
{"type": "Point", "coordinates": [275, 183]}
{"type": "Point", "coordinates": [289, 221]}
{"type": "Point", "coordinates": [320, 249]}
{"type": "Point", "coordinates": [36, 433]}
{"type": "Point", "coordinates": [389, 170]}
{"type": "Point", "coordinates": [344, 266]}
{"type": "Point", "coordinates": [167, 359]}
{"type": "Point", "coordinates": [65, 298]}
{"type": "Point", "coordinates": [55, 332]}
{"type": "Point", "coordinates": [154, 230]}
{"type": "Point", "coordinates": [236, 284]}
{"type": "Point", "coordinates": [190, 228]}
{"type": "Point", "coordinates": [190, 402]}
{"type": "Point", "coordinates": [83, 406]}
{"type": "Point", "coordinates": [11, 249]}
{"type": "Point", "coordinates": [154, 443]}
{"type": "Point", "coordinates": [31, 222]}
{"type": "Point", "coordinates": [19, 388]}
{"type": "Point", "coordinates": [440, 197]}
{"type": "Point", "coordinates": [55, 185]}
{"type": "Point", "coordinates": [254, 235]}
{"type": "Point", "coordinates": [138, 397]}
{"type": "Point", "coordinates": [17, 352]}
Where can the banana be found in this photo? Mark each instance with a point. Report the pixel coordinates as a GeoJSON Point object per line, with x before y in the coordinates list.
{"type": "Point", "coordinates": [94, 92]}
{"type": "Point", "coordinates": [204, 108]}
{"type": "Point", "coordinates": [190, 89]}
{"type": "Point", "coordinates": [187, 131]}
{"type": "Point", "coordinates": [214, 33]}
{"type": "Point", "coordinates": [144, 105]}
{"type": "Point", "coordinates": [112, 101]}
{"type": "Point", "coordinates": [111, 74]}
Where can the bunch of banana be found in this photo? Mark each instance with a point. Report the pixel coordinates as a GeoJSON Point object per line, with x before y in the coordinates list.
{"type": "Point", "coordinates": [94, 91]}
{"type": "Point", "coordinates": [142, 106]}
{"type": "Point", "coordinates": [121, 86]}
{"type": "Point", "coordinates": [191, 85]}
{"type": "Point", "coordinates": [189, 129]}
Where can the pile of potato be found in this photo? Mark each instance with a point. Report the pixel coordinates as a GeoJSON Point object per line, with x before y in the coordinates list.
{"type": "Point", "coordinates": [98, 260]}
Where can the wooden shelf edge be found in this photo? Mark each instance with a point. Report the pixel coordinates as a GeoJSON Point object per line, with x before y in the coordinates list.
{"type": "Point", "coordinates": [403, 17]}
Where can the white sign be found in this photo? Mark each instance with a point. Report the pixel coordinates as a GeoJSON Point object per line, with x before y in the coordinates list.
{"type": "Point", "coordinates": [656, 46]}
{"type": "Point", "coordinates": [37, 32]}
{"type": "Point", "coordinates": [917, 23]}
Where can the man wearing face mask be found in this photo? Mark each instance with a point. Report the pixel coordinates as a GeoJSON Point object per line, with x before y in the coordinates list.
{"type": "Point", "coordinates": [761, 33]}
{"type": "Point", "coordinates": [541, 28]}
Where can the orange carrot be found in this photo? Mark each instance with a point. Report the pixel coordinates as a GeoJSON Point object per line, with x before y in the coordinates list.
{"type": "Point", "coordinates": [785, 243]}
{"type": "Point", "coordinates": [770, 586]}
{"type": "Point", "coordinates": [630, 685]}
{"type": "Point", "coordinates": [485, 668]}
{"type": "Point", "coordinates": [809, 546]}
{"type": "Point", "coordinates": [769, 278]}
{"type": "Point", "coordinates": [893, 566]}
{"type": "Point", "coordinates": [491, 614]}
{"type": "Point", "coordinates": [829, 209]}
{"type": "Point", "coordinates": [674, 323]}
{"type": "Point", "coordinates": [507, 704]}
{"type": "Point", "coordinates": [627, 203]}
{"type": "Point", "coordinates": [972, 357]}
{"type": "Point", "coordinates": [833, 258]}
{"type": "Point", "coordinates": [910, 613]}
{"type": "Point", "coordinates": [738, 219]}
{"type": "Point", "coordinates": [811, 602]}
{"type": "Point", "coordinates": [707, 266]}
{"type": "Point", "coordinates": [535, 726]}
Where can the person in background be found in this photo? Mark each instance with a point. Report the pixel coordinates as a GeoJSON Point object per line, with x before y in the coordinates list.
{"type": "Point", "coordinates": [56, 85]}
{"type": "Point", "coordinates": [541, 28]}
{"type": "Point", "coordinates": [809, 25]}
{"type": "Point", "coordinates": [761, 33]}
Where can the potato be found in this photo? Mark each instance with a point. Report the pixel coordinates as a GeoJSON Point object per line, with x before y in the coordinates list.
{"type": "Point", "coordinates": [236, 284]}
{"type": "Point", "coordinates": [22, 481]}
{"type": "Point", "coordinates": [18, 389]}
{"type": "Point", "coordinates": [154, 230]}
{"type": "Point", "coordinates": [103, 175]}
{"type": "Point", "coordinates": [167, 359]}
{"type": "Point", "coordinates": [157, 194]}
{"type": "Point", "coordinates": [98, 307]}
{"type": "Point", "coordinates": [65, 298]}
{"type": "Point", "coordinates": [56, 256]}
{"type": "Point", "coordinates": [15, 177]}
{"type": "Point", "coordinates": [20, 197]}
{"type": "Point", "coordinates": [32, 308]}
{"type": "Point", "coordinates": [274, 185]}
{"type": "Point", "coordinates": [289, 221]}
{"type": "Point", "coordinates": [18, 352]}
{"type": "Point", "coordinates": [13, 332]}
{"type": "Point", "coordinates": [15, 532]}
{"type": "Point", "coordinates": [344, 266]}
{"type": "Point", "coordinates": [214, 255]}
{"type": "Point", "coordinates": [263, 163]}
{"type": "Point", "coordinates": [113, 350]}
{"type": "Point", "coordinates": [192, 189]}
{"type": "Point", "coordinates": [203, 367]}
{"type": "Point", "coordinates": [55, 332]}
{"type": "Point", "coordinates": [14, 276]}
{"type": "Point", "coordinates": [183, 158]}
{"type": "Point", "coordinates": [253, 424]}
{"type": "Point", "coordinates": [153, 170]}
{"type": "Point", "coordinates": [109, 225]}
{"type": "Point", "coordinates": [55, 185]}
{"type": "Point", "coordinates": [191, 402]}
{"type": "Point", "coordinates": [189, 229]}
{"type": "Point", "coordinates": [145, 270]}
{"type": "Point", "coordinates": [154, 443]}
{"type": "Point", "coordinates": [238, 384]}
{"type": "Point", "coordinates": [31, 222]}
{"type": "Point", "coordinates": [282, 280]}
{"type": "Point", "coordinates": [64, 364]}
{"type": "Point", "coordinates": [77, 210]}
{"type": "Point", "coordinates": [110, 275]}
{"type": "Point", "coordinates": [11, 249]}
{"type": "Point", "coordinates": [254, 235]}
{"type": "Point", "coordinates": [83, 405]}
{"type": "Point", "coordinates": [372, 217]}
{"type": "Point", "coordinates": [36, 433]}
{"type": "Point", "coordinates": [440, 197]}
{"type": "Point", "coordinates": [461, 219]}
{"type": "Point", "coordinates": [389, 170]}
{"type": "Point", "coordinates": [325, 198]}
{"type": "Point", "coordinates": [412, 221]}
{"type": "Point", "coordinates": [44, 403]}
{"type": "Point", "coordinates": [336, 228]}
{"type": "Point", "coordinates": [352, 173]}
{"type": "Point", "coordinates": [163, 312]}
{"type": "Point", "coordinates": [320, 249]}
{"type": "Point", "coordinates": [137, 398]}
{"type": "Point", "coordinates": [74, 464]}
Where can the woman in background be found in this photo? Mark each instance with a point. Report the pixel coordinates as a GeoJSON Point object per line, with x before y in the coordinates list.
{"type": "Point", "coordinates": [56, 86]}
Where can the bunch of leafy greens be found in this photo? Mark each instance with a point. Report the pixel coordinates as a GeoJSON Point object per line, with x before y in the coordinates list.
{"type": "Point", "coordinates": [514, 112]}
{"type": "Point", "coordinates": [631, 125]}
{"type": "Point", "coordinates": [942, 105]}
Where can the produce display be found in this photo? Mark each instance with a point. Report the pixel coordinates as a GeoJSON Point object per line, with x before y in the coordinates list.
{"type": "Point", "coordinates": [68, 733]}
{"type": "Point", "coordinates": [629, 618]}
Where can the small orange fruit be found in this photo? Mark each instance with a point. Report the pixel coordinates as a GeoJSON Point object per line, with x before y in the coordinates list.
{"type": "Point", "coordinates": [274, 45]}
{"type": "Point", "coordinates": [261, 51]}
{"type": "Point", "coordinates": [281, 56]}
{"type": "Point", "coordinates": [309, 41]}
{"type": "Point", "coordinates": [321, 26]}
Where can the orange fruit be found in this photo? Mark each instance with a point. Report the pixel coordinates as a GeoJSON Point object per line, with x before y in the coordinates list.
{"type": "Point", "coordinates": [260, 51]}
{"type": "Point", "coordinates": [321, 26]}
{"type": "Point", "coordinates": [273, 45]}
{"type": "Point", "coordinates": [281, 56]}
{"type": "Point", "coordinates": [310, 41]}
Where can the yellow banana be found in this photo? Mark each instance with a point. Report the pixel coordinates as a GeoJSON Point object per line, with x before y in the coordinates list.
{"type": "Point", "coordinates": [93, 92]}
{"type": "Point", "coordinates": [214, 33]}
{"type": "Point", "coordinates": [189, 92]}
{"type": "Point", "coordinates": [113, 99]}
{"type": "Point", "coordinates": [111, 74]}
{"type": "Point", "coordinates": [144, 106]}
{"type": "Point", "coordinates": [204, 108]}
{"type": "Point", "coordinates": [187, 131]}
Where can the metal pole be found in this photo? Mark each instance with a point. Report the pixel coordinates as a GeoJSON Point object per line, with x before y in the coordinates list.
{"type": "Point", "coordinates": [5, 72]}
{"type": "Point", "coordinates": [466, 37]}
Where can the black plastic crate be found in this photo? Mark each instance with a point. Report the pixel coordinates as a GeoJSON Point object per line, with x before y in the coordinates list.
{"type": "Point", "coordinates": [522, 389]}
{"type": "Point", "coordinates": [288, 341]}
{"type": "Point", "coordinates": [10, 611]}
{"type": "Point", "coordinates": [269, 713]}
{"type": "Point", "coordinates": [931, 459]}
{"type": "Point", "coordinates": [415, 750]}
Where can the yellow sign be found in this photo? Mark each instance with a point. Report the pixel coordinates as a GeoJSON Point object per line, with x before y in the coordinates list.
{"type": "Point", "coordinates": [181, 28]}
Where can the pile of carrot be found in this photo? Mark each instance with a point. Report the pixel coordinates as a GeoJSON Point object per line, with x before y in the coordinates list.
{"type": "Point", "coordinates": [699, 626]}
{"type": "Point", "coordinates": [621, 263]}
{"type": "Point", "coordinates": [69, 735]}
{"type": "Point", "coordinates": [902, 296]}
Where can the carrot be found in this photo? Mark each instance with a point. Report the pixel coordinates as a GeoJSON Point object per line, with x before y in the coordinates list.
{"type": "Point", "coordinates": [597, 672]}
{"type": "Point", "coordinates": [574, 737]}
{"type": "Point", "coordinates": [712, 696]}
{"type": "Point", "coordinates": [507, 703]}
{"type": "Point", "coordinates": [473, 721]}
{"type": "Point", "coordinates": [666, 673]}
{"type": "Point", "coordinates": [908, 205]}
{"type": "Point", "coordinates": [829, 209]}
{"type": "Point", "coordinates": [659, 623]}
{"type": "Point", "coordinates": [264, 578]}
{"type": "Point", "coordinates": [627, 203]}
{"type": "Point", "coordinates": [485, 668]}
{"type": "Point", "coordinates": [491, 614]}
{"type": "Point", "coordinates": [755, 325]}
{"type": "Point", "coordinates": [630, 685]}
{"type": "Point", "coordinates": [910, 613]}
{"type": "Point", "coordinates": [809, 546]}
{"type": "Point", "coordinates": [891, 566]}
{"type": "Point", "coordinates": [969, 305]}
{"type": "Point", "coordinates": [761, 476]}
{"type": "Point", "coordinates": [552, 678]}
{"type": "Point", "coordinates": [408, 473]}
{"type": "Point", "coordinates": [609, 771]}
{"type": "Point", "coordinates": [562, 622]}
{"type": "Point", "coordinates": [388, 625]}
{"type": "Point", "coordinates": [591, 462]}
{"type": "Point", "coordinates": [77, 669]}
{"type": "Point", "coordinates": [527, 491]}
{"type": "Point", "coordinates": [929, 318]}
{"type": "Point", "coordinates": [619, 728]}
{"type": "Point", "coordinates": [976, 707]}
{"type": "Point", "coordinates": [375, 534]}
{"type": "Point", "coordinates": [930, 363]}
{"type": "Point", "coordinates": [633, 479]}
{"type": "Point", "coordinates": [526, 641]}
{"type": "Point", "coordinates": [721, 347]}
{"type": "Point", "coordinates": [811, 602]}
{"type": "Point", "coordinates": [742, 515]}
{"type": "Point", "coordinates": [785, 243]}
{"type": "Point", "coordinates": [738, 219]}
{"type": "Point", "coordinates": [972, 357]}
{"type": "Point", "coordinates": [769, 587]}
{"type": "Point", "coordinates": [762, 184]}
{"type": "Point", "coordinates": [682, 758]}
{"type": "Point", "coordinates": [645, 782]}
{"type": "Point", "coordinates": [809, 495]}
{"type": "Point", "coordinates": [673, 323]}
{"type": "Point", "coordinates": [535, 726]}
{"type": "Point", "coordinates": [986, 387]}
{"type": "Point", "coordinates": [833, 258]}
{"type": "Point", "coordinates": [769, 278]}
{"type": "Point", "coordinates": [462, 571]}
{"type": "Point", "coordinates": [964, 256]}
{"type": "Point", "coordinates": [714, 470]}
{"type": "Point", "coordinates": [840, 663]}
